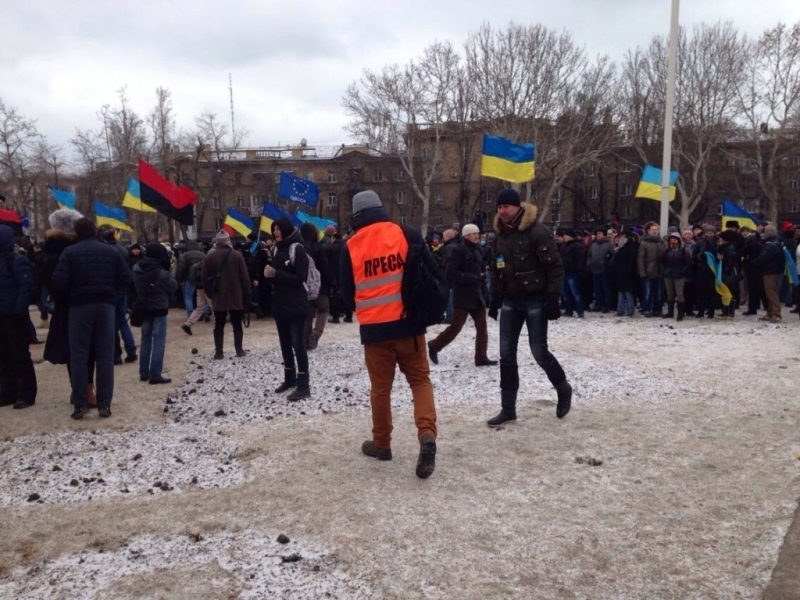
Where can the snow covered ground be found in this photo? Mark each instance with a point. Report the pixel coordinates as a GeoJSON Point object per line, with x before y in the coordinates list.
{"type": "Point", "coordinates": [672, 477]}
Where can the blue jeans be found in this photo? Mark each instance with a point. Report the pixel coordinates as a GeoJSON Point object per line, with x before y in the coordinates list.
{"type": "Point", "coordinates": [151, 350]}
{"type": "Point", "coordinates": [290, 338]}
{"type": "Point", "coordinates": [121, 325]}
{"type": "Point", "coordinates": [45, 307]}
{"type": "Point", "coordinates": [651, 294]}
{"type": "Point", "coordinates": [188, 297]}
{"type": "Point", "coordinates": [625, 304]}
{"type": "Point", "coordinates": [602, 291]}
{"type": "Point", "coordinates": [530, 311]}
{"type": "Point", "coordinates": [573, 301]}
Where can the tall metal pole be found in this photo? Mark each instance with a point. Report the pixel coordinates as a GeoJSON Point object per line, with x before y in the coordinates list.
{"type": "Point", "coordinates": [666, 162]}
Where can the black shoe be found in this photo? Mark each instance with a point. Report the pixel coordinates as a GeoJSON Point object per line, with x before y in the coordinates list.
{"type": "Point", "coordinates": [301, 392]}
{"type": "Point", "coordinates": [564, 390]}
{"type": "Point", "coordinates": [240, 353]}
{"type": "Point", "coordinates": [333, 320]}
{"type": "Point", "coordinates": [80, 412]}
{"type": "Point", "coordinates": [485, 363]}
{"type": "Point", "coordinates": [7, 402]}
{"type": "Point", "coordinates": [118, 361]}
{"type": "Point", "coordinates": [433, 355]}
{"type": "Point", "coordinates": [218, 354]}
{"type": "Point", "coordinates": [144, 378]}
{"type": "Point", "coordinates": [158, 380]}
{"type": "Point", "coordinates": [24, 404]}
{"type": "Point", "coordinates": [131, 358]}
{"type": "Point", "coordinates": [503, 417]}
{"type": "Point", "coordinates": [186, 329]}
{"type": "Point", "coordinates": [104, 412]}
{"type": "Point", "coordinates": [350, 320]}
{"type": "Point", "coordinates": [750, 313]}
{"type": "Point", "coordinates": [370, 449]}
{"type": "Point", "coordinates": [285, 387]}
{"type": "Point", "coordinates": [426, 462]}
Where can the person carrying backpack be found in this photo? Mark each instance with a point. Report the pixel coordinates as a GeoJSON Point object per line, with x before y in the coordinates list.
{"type": "Point", "coordinates": [289, 273]}
{"type": "Point", "coordinates": [373, 265]}
{"type": "Point", "coordinates": [190, 272]}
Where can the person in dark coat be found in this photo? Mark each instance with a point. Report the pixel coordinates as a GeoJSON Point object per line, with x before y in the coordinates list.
{"type": "Point", "coordinates": [677, 261]}
{"type": "Point", "coordinates": [705, 288]}
{"type": "Point", "coordinates": [771, 264]}
{"type": "Point", "coordinates": [154, 284]}
{"type": "Point", "coordinates": [753, 245]}
{"type": "Point", "coordinates": [465, 273]}
{"type": "Point", "coordinates": [728, 256]}
{"type": "Point", "coordinates": [623, 271]}
{"type": "Point", "coordinates": [338, 306]}
{"type": "Point", "coordinates": [92, 274]}
{"type": "Point", "coordinates": [320, 306]}
{"type": "Point", "coordinates": [234, 291]}
{"type": "Point", "coordinates": [17, 375]}
{"type": "Point", "coordinates": [290, 306]}
{"type": "Point", "coordinates": [573, 256]}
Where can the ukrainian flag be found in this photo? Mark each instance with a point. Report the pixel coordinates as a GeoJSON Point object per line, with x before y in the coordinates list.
{"type": "Point", "coordinates": [504, 160]}
{"type": "Point", "coordinates": [790, 268]}
{"type": "Point", "coordinates": [239, 223]}
{"type": "Point", "coordinates": [271, 213]}
{"type": "Point", "coordinates": [62, 198]}
{"type": "Point", "coordinates": [106, 215]}
{"type": "Point", "coordinates": [733, 212]}
{"type": "Point", "coordinates": [317, 222]}
{"type": "Point", "coordinates": [721, 288]}
{"type": "Point", "coordinates": [133, 198]}
{"type": "Point", "coordinates": [650, 184]}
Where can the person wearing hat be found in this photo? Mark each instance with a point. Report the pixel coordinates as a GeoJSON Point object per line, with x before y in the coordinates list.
{"type": "Point", "coordinates": [753, 245]}
{"type": "Point", "coordinates": [526, 279]}
{"type": "Point", "coordinates": [600, 251]}
{"type": "Point", "coordinates": [371, 275]}
{"type": "Point", "coordinates": [706, 297]}
{"type": "Point", "coordinates": [573, 258]}
{"type": "Point", "coordinates": [771, 264]}
{"type": "Point", "coordinates": [233, 294]}
{"type": "Point", "coordinates": [465, 274]}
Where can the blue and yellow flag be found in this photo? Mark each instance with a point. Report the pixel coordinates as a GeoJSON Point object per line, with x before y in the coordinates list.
{"type": "Point", "coordinates": [650, 184]}
{"type": "Point", "coordinates": [106, 215]}
{"type": "Point", "coordinates": [239, 223]}
{"type": "Point", "coordinates": [790, 268]}
{"type": "Point", "coordinates": [133, 198]}
{"type": "Point", "coordinates": [733, 212]}
{"type": "Point", "coordinates": [317, 222]}
{"type": "Point", "coordinates": [507, 161]}
{"type": "Point", "coordinates": [272, 213]}
{"type": "Point", "coordinates": [722, 289]}
{"type": "Point", "coordinates": [62, 198]}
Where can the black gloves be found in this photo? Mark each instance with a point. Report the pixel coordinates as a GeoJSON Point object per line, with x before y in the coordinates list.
{"type": "Point", "coordinates": [494, 308]}
{"type": "Point", "coordinates": [553, 308]}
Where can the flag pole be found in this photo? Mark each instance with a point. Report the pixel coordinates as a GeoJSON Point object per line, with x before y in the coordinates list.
{"type": "Point", "coordinates": [670, 103]}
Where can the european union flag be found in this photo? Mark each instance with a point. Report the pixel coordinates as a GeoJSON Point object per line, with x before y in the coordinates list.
{"type": "Point", "coordinates": [298, 190]}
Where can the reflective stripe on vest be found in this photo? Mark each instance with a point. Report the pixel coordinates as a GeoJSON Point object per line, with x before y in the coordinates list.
{"type": "Point", "coordinates": [378, 253]}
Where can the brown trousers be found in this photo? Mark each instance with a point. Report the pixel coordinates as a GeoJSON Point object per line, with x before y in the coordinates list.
{"type": "Point", "coordinates": [772, 287]}
{"type": "Point", "coordinates": [459, 318]}
{"type": "Point", "coordinates": [411, 355]}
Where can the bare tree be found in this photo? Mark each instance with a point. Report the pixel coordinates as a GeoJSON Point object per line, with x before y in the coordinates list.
{"type": "Point", "coordinates": [404, 111]}
{"type": "Point", "coordinates": [768, 101]}
{"type": "Point", "coordinates": [710, 67]}
{"type": "Point", "coordinates": [19, 139]}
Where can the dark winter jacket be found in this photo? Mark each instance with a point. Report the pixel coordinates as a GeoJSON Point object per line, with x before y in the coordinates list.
{"type": "Point", "coordinates": [316, 251]}
{"type": "Point", "coordinates": [573, 257]}
{"type": "Point", "coordinates": [234, 290]}
{"type": "Point", "coordinates": [377, 332]}
{"type": "Point", "coordinates": [676, 263]}
{"type": "Point", "coordinates": [16, 277]}
{"type": "Point", "coordinates": [651, 249]}
{"type": "Point", "coordinates": [91, 272]}
{"type": "Point", "coordinates": [623, 266]}
{"type": "Point", "coordinates": [465, 274]}
{"type": "Point", "coordinates": [192, 256]}
{"type": "Point", "coordinates": [526, 259]}
{"type": "Point", "coordinates": [753, 246]}
{"type": "Point", "coordinates": [334, 254]}
{"type": "Point", "coordinates": [154, 284]}
{"type": "Point", "coordinates": [289, 296]}
{"type": "Point", "coordinates": [56, 347]}
{"type": "Point", "coordinates": [730, 262]}
{"type": "Point", "coordinates": [600, 252]}
{"type": "Point", "coordinates": [771, 261]}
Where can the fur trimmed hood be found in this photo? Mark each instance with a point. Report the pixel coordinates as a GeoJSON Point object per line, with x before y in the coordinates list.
{"type": "Point", "coordinates": [531, 211]}
{"type": "Point", "coordinates": [60, 235]}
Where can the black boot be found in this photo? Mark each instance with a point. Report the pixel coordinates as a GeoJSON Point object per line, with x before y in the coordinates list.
{"type": "Point", "coordinates": [670, 311]}
{"type": "Point", "coordinates": [289, 381]}
{"type": "Point", "coordinates": [564, 390]}
{"type": "Point", "coordinates": [302, 390]}
{"type": "Point", "coordinates": [218, 337]}
{"type": "Point", "coordinates": [238, 338]}
{"type": "Point", "coordinates": [680, 312]}
{"type": "Point", "coordinates": [508, 410]}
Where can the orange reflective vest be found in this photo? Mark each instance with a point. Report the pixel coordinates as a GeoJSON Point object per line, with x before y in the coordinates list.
{"type": "Point", "coordinates": [378, 253]}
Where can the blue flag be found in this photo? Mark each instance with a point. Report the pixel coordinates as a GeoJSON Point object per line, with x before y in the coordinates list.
{"type": "Point", "coordinates": [272, 213]}
{"type": "Point", "coordinates": [317, 222]}
{"type": "Point", "coordinates": [298, 190]}
{"type": "Point", "coordinates": [62, 198]}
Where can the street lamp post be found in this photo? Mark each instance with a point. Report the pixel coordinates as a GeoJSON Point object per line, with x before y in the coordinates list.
{"type": "Point", "coordinates": [670, 103]}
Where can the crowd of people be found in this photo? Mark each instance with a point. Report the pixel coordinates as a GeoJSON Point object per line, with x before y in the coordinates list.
{"type": "Point", "coordinates": [90, 290]}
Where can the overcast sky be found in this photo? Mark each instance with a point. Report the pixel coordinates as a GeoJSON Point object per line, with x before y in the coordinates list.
{"type": "Point", "coordinates": [61, 60]}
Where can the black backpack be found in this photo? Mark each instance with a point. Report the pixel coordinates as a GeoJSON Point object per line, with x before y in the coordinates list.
{"type": "Point", "coordinates": [212, 283]}
{"type": "Point", "coordinates": [424, 289]}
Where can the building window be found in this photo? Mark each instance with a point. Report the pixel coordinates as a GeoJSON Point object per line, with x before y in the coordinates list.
{"type": "Point", "coordinates": [401, 175]}
{"type": "Point", "coordinates": [426, 153]}
{"type": "Point", "coordinates": [309, 176]}
{"type": "Point", "coordinates": [377, 175]}
{"type": "Point", "coordinates": [217, 224]}
{"type": "Point", "coordinates": [436, 220]}
{"type": "Point", "coordinates": [239, 177]}
{"type": "Point", "coordinates": [331, 200]}
{"type": "Point", "coordinates": [240, 201]}
{"type": "Point", "coordinates": [793, 206]}
{"type": "Point", "coordinates": [437, 175]}
{"type": "Point", "coordinates": [627, 189]}
{"type": "Point", "coordinates": [793, 184]}
{"type": "Point", "coordinates": [437, 198]}
{"type": "Point", "coordinates": [401, 197]}
{"type": "Point", "coordinates": [593, 193]}
{"type": "Point", "coordinates": [590, 170]}
{"type": "Point", "coordinates": [331, 177]}
{"type": "Point", "coordinates": [159, 228]}
{"type": "Point", "coordinates": [487, 197]}
{"type": "Point", "coordinates": [627, 212]}
{"type": "Point", "coordinates": [402, 220]}
{"type": "Point", "coordinates": [215, 202]}
{"type": "Point", "coordinates": [796, 161]}
{"type": "Point", "coordinates": [626, 167]}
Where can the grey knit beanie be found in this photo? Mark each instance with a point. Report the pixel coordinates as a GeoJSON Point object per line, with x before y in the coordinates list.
{"type": "Point", "coordinates": [770, 231]}
{"type": "Point", "coordinates": [364, 200]}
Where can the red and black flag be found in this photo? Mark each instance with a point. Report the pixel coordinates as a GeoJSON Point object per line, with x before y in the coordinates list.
{"type": "Point", "coordinates": [12, 219]}
{"type": "Point", "coordinates": [173, 201]}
